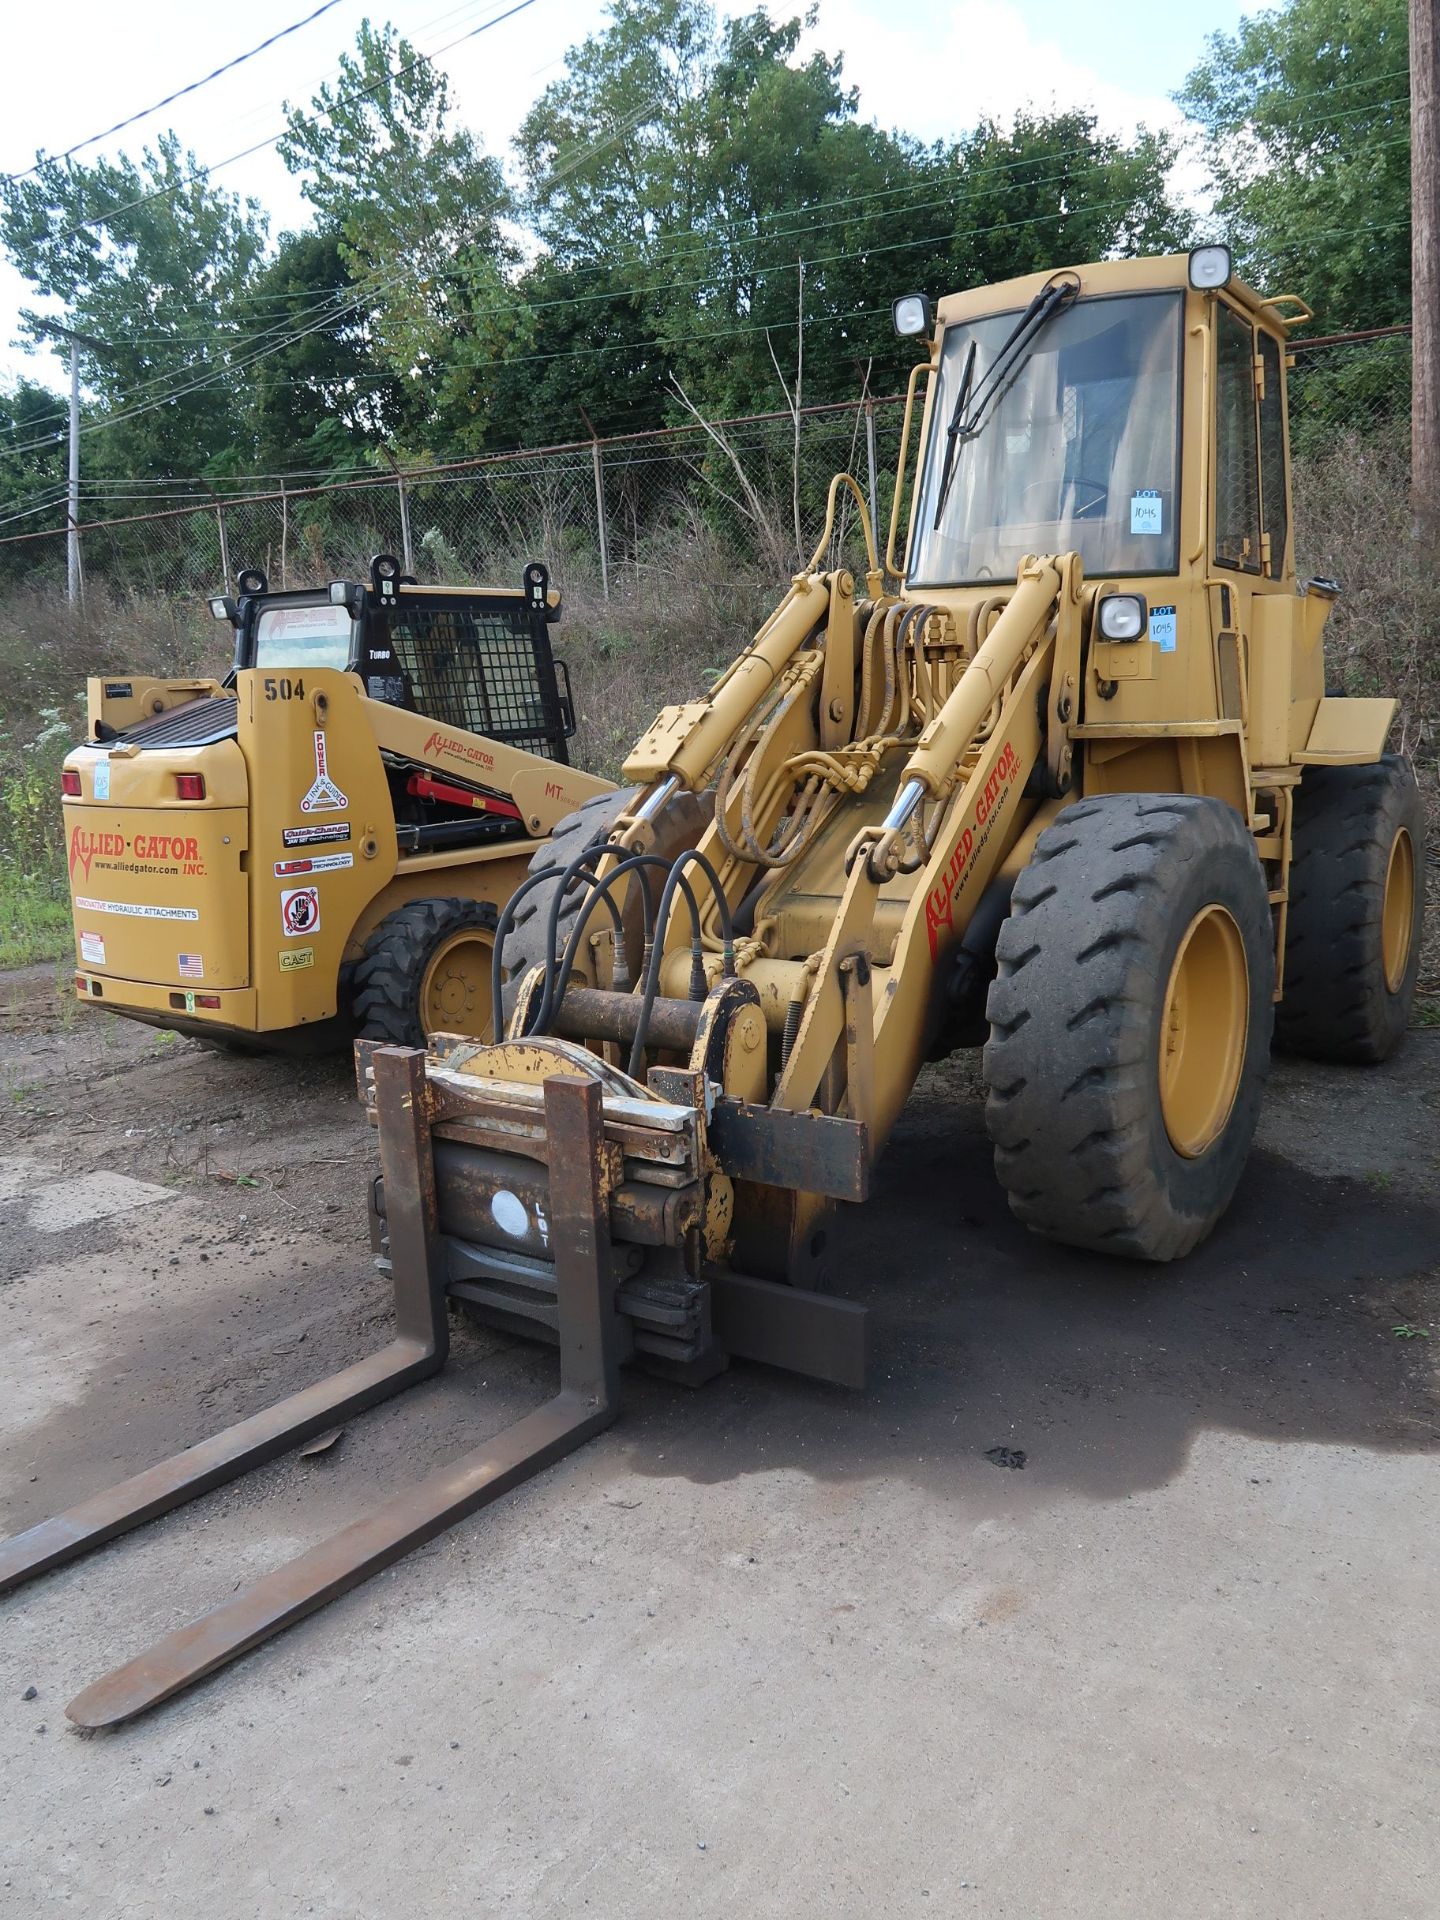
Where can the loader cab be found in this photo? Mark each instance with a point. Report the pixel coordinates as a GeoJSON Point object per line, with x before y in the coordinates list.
{"type": "Point", "coordinates": [480, 662]}
{"type": "Point", "coordinates": [1132, 412]}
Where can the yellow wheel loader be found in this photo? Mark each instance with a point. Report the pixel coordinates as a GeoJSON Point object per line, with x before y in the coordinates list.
{"type": "Point", "coordinates": [1059, 778]}
{"type": "Point", "coordinates": [319, 846]}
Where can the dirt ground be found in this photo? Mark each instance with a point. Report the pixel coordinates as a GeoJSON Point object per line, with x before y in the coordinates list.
{"type": "Point", "coordinates": [771, 1647]}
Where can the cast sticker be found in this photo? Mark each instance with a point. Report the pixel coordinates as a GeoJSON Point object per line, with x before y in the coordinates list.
{"type": "Point", "coordinates": [92, 948]}
{"type": "Point", "coordinates": [324, 796]}
{"type": "Point", "coordinates": [1162, 628]}
{"type": "Point", "coordinates": [313, 836]}
{"type": "Point", "coordinates": [102, 779]}
{"type": "Point", "coordinates": [1146, 512]}
{"type": "Point", "coordinates": [300, 911]}
{"type": "Point", "coordinates": [131, 911]}
{"type": "Point", "coordinates": [292, 959]}
{"type": "Point", "coordinates": [192, 966]}
{"type": "Point", "coordinates": [314, 863]}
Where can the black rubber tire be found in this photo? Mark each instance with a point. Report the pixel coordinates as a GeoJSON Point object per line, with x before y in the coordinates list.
{"type": "Point", "coordinates": [390, 974]}
{"type": "Point", "coordinates": [1337, 1004]}
{"type": "Point", "coordinates": [1072, 1066]}
{"type": "Point", "coordinates": [678, 827]}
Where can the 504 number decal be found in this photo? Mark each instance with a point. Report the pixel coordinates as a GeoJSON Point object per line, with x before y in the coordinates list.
{"type": "Point", "coordinates": [283, 689]}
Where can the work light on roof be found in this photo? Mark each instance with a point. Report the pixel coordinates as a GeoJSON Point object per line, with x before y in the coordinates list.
{"type": "Point", "coordinates": [911, 314]}
{"type": "Point", "coordinates": [1210, 267]}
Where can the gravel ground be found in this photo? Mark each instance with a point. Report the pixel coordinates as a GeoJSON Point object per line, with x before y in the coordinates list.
{"type": "Point", "coordinates": [769, 1647]}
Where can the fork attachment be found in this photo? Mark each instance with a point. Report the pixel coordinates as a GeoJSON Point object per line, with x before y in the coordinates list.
{"type": "Point", "coordinates": [589, 1329]}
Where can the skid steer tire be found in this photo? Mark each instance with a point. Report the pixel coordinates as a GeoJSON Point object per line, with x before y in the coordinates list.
{"type": "Point", "coordinates": [1130, 1024]}
{"type": "Point", "coordinates": [424, 969]}
{"type": "Point", "coordinates": [680, 826]}
{"type": "Point", "coordinates": [1357, 896]}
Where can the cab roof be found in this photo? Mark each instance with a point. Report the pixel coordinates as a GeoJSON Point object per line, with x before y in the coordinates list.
{"type": "Point", "coordinates": [1150, 274]}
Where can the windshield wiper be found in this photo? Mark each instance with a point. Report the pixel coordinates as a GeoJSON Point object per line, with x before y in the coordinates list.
{"type": "Point", "coordinates": [1003, 369]}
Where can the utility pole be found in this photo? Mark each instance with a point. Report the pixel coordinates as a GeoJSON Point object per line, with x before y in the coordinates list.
{"type": "Point", "coordinates": [1425, 262]}
{"type": "Point", "coordinates": [75, 579]}
{"type": "Point", "coordinates": [72, 492]}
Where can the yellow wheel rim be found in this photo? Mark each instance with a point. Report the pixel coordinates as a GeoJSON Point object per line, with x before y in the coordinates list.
{"type": "Point", "coordinates": [455, 993]}
{"type": "Point", "coordinates": [1397, 919]}
{"type": "Point", "coordinates": [1203, 1031]}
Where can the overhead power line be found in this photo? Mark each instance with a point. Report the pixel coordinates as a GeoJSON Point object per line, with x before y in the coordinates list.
{"type": "Point", "coordinates": [179, 94]}
{"type": "Point", "coordinates": [345, 100]}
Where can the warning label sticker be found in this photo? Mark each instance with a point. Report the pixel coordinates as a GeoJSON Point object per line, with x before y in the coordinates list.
{"type": "Point", "coordinates": [300, 910]}
{"type": "Point", "coordinates": [92, 948]}
{"type": "Point", "coordinates": [324, 796]}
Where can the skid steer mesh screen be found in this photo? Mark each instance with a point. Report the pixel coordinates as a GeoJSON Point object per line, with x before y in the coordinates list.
{"type": "Point", "coordinates": [488, 670]}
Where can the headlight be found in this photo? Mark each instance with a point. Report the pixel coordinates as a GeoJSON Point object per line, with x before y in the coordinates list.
{"type": "Point", "coordinates": [1210, 267]}
{"type": "Point", "coordinates": [911, 314]}
{"type": "Point", "coordinates": [1123, 616]}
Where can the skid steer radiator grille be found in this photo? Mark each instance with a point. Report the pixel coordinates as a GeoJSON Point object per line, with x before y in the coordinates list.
{"type": "Point", "coordinates": [199, 723]}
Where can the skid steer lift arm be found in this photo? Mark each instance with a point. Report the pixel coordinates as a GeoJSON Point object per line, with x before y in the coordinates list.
{"type": "Point", "coordinates": [590, 1338]}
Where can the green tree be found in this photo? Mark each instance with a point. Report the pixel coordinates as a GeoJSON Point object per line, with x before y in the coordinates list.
{"type": "Point", "coordinates": [322, 401]}
{"type": "Point", "coordinates": [33, 430]}
{"type": "Point", "coordinates": [1305, 121]}
{"type": "Point", "coordinates": [416, 212]}
{"type": "Point", "coordinates": [150, 262]}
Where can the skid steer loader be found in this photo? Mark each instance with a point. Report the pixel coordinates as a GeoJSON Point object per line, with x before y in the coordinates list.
{"type": "Point", "coordinates": [1060, 778]}
{"type": "Point", "coordinates": [320, 845]}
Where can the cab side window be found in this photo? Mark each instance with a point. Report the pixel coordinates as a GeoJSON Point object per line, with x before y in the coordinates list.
{"type": "Point", "coordinates": [1237, 465]}
{"type": "Point", "coordinates": [1272, 452]}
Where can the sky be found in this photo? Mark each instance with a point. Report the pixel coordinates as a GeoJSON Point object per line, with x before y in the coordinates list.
{"type": "Point", "coordinates": [924, 70]}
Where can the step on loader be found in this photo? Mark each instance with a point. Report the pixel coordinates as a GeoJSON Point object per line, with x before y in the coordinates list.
{"type": "Point", "coordinates": [320, 845]}
{"type": "Point", "coordinates": [1060, 779]}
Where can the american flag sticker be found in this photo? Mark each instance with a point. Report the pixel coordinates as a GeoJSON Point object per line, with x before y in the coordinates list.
{"type": "Point", "coordinates": [192, 966]}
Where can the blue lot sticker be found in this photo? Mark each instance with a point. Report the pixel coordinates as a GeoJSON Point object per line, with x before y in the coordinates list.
{"type": "Point", "coordinates": [102, 779]}
{"type": "Point", "coordinates": [1162, 628]}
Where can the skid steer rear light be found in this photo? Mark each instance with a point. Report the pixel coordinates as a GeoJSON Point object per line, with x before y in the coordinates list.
{"type": "Point", "coordinates": [190, 786]}
{"type": "Point", "coordinates": [187, 1002]}
{"type": "Point", "coordinates": [70, 783]}
{"type": "Point", "coordinates": [1123, 616]}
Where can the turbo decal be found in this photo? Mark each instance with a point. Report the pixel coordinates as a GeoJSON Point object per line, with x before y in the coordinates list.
{"type": "Point", "coordinates": [457, 750]}
{"type": "Point", "coordinates": [324, 796]}
{"type": "Point", "coordinates": [940, 901]}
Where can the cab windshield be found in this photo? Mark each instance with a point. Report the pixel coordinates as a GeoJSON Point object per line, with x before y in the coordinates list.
{"type": "Point", "coordinates": [311, 636]}
{"type": "Point", "coordinates": [1076, 450]}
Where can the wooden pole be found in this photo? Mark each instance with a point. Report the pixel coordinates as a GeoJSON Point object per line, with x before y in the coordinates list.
{"type": "Point", "coordinates": [1425, 261]}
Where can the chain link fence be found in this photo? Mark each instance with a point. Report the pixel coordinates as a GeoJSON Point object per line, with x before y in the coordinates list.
{"type": "Point", "coordinates": [605, 514]}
